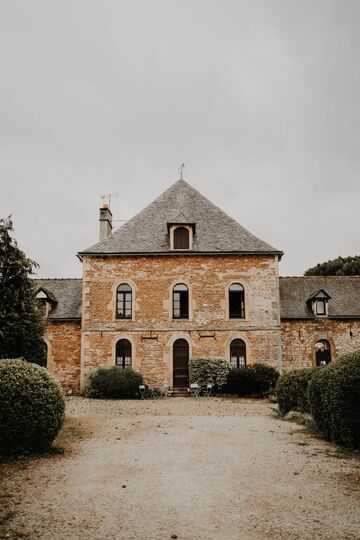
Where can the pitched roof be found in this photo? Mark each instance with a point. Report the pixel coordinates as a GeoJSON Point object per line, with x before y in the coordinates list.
{"type": "Point", "coordinates": [344, 292]}
{"type": "Point", "coordinates": [68, 295]}
{"type": "Point", "coordinates": [147, 232]}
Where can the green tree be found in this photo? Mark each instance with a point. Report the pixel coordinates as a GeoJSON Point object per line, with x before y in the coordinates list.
{"type": "Point", "coordinates": [342, 266]}
{"type": "Point", "coordinates": [22, 324]}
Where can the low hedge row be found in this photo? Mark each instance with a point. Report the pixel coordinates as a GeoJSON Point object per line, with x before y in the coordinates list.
{"type": "Point", "coordinates": [292, 391]}
{"type": "Point", "coordinates": [205, 370]}
{"type": "Point", "coordinates": [254, 380]}
{"type": "Point", "coordinates": [334, 395]}
{"type": "Point", "coordinates": [114, 383]}
{"type": "Point", "coordinates": [331, 394]}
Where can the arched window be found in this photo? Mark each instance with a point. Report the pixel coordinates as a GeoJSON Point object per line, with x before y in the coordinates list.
{"type": "Point", "coordinates": [236, 301]}
{"type": "Point", "coordinates": [124, 302]}
{"type": "Point", "coordinates": [180, 301]}
{"type": "Point", "coordinates": [238, 353]}
{"type": "Point", "coordinates": [181, 238]}
{"type": "Point", "coordinates": [322, 352]}
{"type": "Point", "coordinates": [123, 353]}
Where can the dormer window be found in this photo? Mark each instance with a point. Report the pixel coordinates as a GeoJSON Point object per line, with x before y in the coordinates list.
{"type": "Point", "coordinates": [181, 236]}
{"type": "Point", "coordinates": [319, 303]}
{"type": "Point", "coordinates": [46, 301]}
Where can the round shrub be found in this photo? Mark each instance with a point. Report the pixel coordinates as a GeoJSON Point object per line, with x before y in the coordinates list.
{"type": "Point", "coordinates": [334, 396]}
{"type": "Point", "coordinates": [265, 378]}
{"type": "Point", "coordinates": [253, 380]}
{"type": "Point", "coordinates": [292, 391]}
{"type": "Point", "coordinates": [208, 370]}
{"type": "Point", "coordinates": [114, 383]}
{"type": "Point", "coordinates": [240, 381]}
{"type": "Point", "coordinates": [32, 407]}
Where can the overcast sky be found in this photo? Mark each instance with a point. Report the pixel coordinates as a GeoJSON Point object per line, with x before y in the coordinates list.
{"type": "Point", "coordinates": [260, 99]}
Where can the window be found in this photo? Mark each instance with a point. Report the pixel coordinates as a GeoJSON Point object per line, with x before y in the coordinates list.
{"type": "Point", "coordinates": [320, 307]}
{"type": "Point", "coordinates": [123, 353]}
{"type": "Point", "coordinates": [322, 352]}
{"type": "Point", "coordinates": [124, 302]}
{"type": "Point", "coordinates": [236, 301]}
{"type": "Point", "coordinates": [180, 302]}
{"type": "Point", "coordinates": [181, 238]}
{"type": "Point", "coordinates": [237, 353]}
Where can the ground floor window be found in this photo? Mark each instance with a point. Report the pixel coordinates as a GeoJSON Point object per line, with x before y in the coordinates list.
{"type": "Point", "coordinates": [237, 353]}
{"type": "Point", "coordinates": [322, 352]}
{"type": "Point", "coordinates": [123, 353]}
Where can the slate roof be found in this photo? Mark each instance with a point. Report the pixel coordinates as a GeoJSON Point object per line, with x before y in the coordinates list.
{"type": "Point", "coordinates": [68, 295]}
{"type": "Point", "coordinates": [147, 232]}
{"type": "Point", "coordinates": [344, 292]}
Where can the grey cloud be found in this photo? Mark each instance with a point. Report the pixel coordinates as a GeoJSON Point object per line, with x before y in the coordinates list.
{"type": "Point", "coordinates": [259, 98]}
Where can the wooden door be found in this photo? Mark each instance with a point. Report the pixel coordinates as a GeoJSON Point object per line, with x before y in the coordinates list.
{"type": "Point", "coordinates": [181, 363]}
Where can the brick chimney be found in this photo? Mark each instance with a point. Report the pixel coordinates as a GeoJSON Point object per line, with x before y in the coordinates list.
{"type": "Point", "coordinates": [105, 222]}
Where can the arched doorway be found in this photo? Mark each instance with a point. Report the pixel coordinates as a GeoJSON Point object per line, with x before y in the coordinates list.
{"type": "Point", "coordinates": [322, 352]}
{"type": "Point", "coordinates": [180, 363]}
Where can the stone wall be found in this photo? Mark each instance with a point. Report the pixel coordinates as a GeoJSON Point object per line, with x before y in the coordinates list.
{"type": "Point", "coordinates": [64, 344]}
{"type": "Point", "coordinates": [152, 331]}
{"type": "Point", "coordinates": [298, 339]}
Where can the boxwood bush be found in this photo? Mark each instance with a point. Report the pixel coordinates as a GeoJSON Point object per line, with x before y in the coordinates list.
{"type": "Point", "coordinates": [253, 380]}
{"type": "Point", "coordinates": [292, 391]}
{"type": "Point", "coordinates": [32, 407]}
{"type": "Point", "coordinates": [114, 383]}
{"type": "Point", "coordinates": [208, 370]}
{"type": "Point", "coordinates": [334, 396]}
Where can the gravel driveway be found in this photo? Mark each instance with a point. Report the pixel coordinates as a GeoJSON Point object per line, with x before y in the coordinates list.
{"type": "Point", "coordinates": [182, 468]}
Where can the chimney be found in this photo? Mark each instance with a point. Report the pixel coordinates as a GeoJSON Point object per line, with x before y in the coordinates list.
{"type": "Point", "coordinates": [105, 222]}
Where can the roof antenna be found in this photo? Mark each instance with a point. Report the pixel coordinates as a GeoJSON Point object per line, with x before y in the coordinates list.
{"type": "Point", "coordinates": [107, 196]}
{"type": "Point", "coordinates": [181, 168]}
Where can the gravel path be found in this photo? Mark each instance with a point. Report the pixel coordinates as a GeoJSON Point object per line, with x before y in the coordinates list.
{"type": "Point", "coordinates": [182, 468]}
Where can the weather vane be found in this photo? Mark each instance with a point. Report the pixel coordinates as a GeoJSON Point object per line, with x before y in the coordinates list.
{"type": "Point", "coordinates": [181, 168]}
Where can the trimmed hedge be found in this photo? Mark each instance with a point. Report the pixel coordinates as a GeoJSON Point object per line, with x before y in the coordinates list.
{"type": "Point", "coordinates": [253, 380]}
{"type": "Point", "coordinates": [292, 391]}
{"type": "Point", "coordinates": [334, 395]}
{"type": "Point", "coordinates": [114, 383]}
{"type": "Point", "coordinates": [32, 407]}
{"type": "Point", "coordinates": [208, 370]}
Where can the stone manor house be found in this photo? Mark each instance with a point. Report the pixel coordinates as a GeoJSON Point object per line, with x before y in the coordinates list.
{"type": "Point", "coordinates": [183, 279]}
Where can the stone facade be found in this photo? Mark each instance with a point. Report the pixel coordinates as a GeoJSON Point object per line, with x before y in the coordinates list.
{"type": "Point", "coordinates": [63, 341]}
{"type": "Point", "coordinates": [152, 330]}
{"type": "Point", "coordinates": [182, 238]}
{"type": "Point", "coordinates": [298, 339]}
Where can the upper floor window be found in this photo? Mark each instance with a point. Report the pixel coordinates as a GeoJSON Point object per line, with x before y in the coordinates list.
{"type": "Point", "coordinates": [123, 353]}
{"type": "Point", "coordinates": [236, 301]}
{"type": "Point", "coordinates": [180, 301]}
{"type": "Point", "coordinates": [181, 238]}
{"type": "Point", "coordinates": [237, 353]}
{"type": "Point", "coordinates": [124, 301]}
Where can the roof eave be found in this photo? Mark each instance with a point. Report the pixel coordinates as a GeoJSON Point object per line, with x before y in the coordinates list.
{"type": "Point", "coordinates": [175, 253]}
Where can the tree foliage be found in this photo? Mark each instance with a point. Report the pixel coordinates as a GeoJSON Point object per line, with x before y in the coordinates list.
{"type": "Point", "coordinates": [342, 266]}
{"type": "Point", "coordinates": [22, 324]}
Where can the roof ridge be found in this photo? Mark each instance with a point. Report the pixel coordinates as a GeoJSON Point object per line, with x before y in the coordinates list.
{"type": "Point", "coordinates": [318, 277]}
{"type": "Point", "coordinates": [57, 279]}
